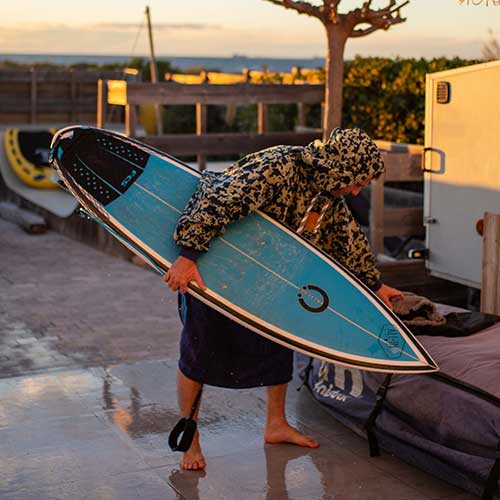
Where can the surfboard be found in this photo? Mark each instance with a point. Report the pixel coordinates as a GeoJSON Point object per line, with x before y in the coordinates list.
{"type": "Point", "coordinates": [258, 273]}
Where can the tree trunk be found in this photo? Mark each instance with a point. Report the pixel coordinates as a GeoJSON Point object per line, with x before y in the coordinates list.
{"type": "Point", "coordinates": [336, 40]}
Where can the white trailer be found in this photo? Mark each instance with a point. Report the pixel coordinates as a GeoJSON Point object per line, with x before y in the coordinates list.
{"type": "Point", "coordinates": [462, 167]}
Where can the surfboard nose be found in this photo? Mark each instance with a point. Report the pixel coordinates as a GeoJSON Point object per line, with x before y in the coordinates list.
{"type": "Point", "coordinates": [98, 166]}
{"type": "Point", "coordinates": [57, 146]}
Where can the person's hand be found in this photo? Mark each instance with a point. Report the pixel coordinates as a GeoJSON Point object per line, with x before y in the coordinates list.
{"type": "Point", "coordinates": [389, 295]}
{"type": "Point", "coordinates": [181, 273]}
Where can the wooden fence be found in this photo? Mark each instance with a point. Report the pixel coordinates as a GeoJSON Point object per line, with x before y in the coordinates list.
{"type": "Point", "coordinates": [50, 96]}
{"type": "Point", "coordinates": [490, 293]}
{"type": "Point", "coordinates": [202, 143]}
{"type": "Point", "coordinates": [403, 162]}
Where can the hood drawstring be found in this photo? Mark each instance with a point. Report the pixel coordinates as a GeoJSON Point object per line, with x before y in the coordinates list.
{"type": "Point", "coordinates": [321, 216]}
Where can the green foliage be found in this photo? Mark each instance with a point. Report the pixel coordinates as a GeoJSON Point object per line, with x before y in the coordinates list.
{"type": "Point", "coordinates": [386, 97]}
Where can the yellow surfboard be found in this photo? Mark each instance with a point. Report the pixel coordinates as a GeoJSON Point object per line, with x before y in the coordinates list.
{"type": "Point", "coordinates": [27, 154]}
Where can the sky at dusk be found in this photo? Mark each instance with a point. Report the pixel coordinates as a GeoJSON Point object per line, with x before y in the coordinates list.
{"type": "Point", "coordinates": [245, 27]}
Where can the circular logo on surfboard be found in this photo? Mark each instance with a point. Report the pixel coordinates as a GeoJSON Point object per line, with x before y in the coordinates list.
{"type": "Point", "coordinates": [313, 298]}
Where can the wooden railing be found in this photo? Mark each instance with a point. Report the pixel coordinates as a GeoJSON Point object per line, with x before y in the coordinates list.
{"type": "Point", "coordinates": [402, 161]}
{"type": "Point", "coordinates": [132, 95]}
{"type": "Point", "coordinates": [402, 164]}
{"type": "Point", "coordinates": [49, 96]}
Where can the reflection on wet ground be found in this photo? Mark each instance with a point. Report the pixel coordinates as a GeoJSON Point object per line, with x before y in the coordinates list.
{"type": "Point", "coordinates": [68, 431]}
{"type": "Point", "coordinates": [102, 433]}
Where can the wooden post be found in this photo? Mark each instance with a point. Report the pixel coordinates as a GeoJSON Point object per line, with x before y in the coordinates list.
{"type": "Point", "coordinates": [102, 103]}
{"type": "Point", "coordinates": [73, 111]}
{"type": "Point", "coordinates": [154, 73]}
{"type": "Point", "coordinates": [262, 118]}
{"type": "Point", "coordinates": [301, 114]}
{"type": "Point", "coordinates": [377, 215]}
{"type": "Point", "coordinates": [33, 96]}
{"type": "Point", "coordinates": [322, 113]}
{"type": "Point", "coordinates": [131, 120]}
{"type": "Point", "coordinates": [490, 290]}
{"type": "Point", "coordinates": [201, 128]}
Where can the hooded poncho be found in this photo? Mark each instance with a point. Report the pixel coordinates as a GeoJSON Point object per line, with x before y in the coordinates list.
{"type": "Point", "coordinates": [287, 182]}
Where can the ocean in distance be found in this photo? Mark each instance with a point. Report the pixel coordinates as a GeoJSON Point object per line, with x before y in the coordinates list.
{"type": "Point", "coordinates": [234, 64]}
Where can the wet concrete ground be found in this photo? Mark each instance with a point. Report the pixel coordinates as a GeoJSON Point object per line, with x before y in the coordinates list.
{"type": "Point", "coordinates": [88, 348]}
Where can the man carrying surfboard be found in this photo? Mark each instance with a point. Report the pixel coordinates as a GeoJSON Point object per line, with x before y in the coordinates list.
{"type": "Point", "coordinates": [303, 188]}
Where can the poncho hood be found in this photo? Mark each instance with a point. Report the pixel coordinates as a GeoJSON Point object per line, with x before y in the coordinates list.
{"type": "Point", "coordinates": [349, 157]}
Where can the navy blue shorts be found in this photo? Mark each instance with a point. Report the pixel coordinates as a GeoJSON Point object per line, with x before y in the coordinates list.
{"type": "Point", "coordinates": [215, 350]}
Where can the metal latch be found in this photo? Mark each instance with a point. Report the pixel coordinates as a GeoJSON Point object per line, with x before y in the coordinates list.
{"type": "Point", "coordinates": [424, 168]}
{"type": "Point", "coordinates": [418, 253]}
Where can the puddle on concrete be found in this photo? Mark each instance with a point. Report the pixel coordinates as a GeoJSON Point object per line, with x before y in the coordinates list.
{"type": "Point", "coordinates": [23, 350]}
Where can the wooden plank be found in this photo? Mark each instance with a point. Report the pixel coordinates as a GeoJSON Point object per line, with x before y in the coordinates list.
{"type": "Point", "coordinates": [201, 129]}
{"type": "Point", "coordinates": [74, 97]}
{"type": "Point", "coordinates": [51, 106]}
{"type": "Point", "coordinates": [412, 276]}
{"type": "Point", "coordinates": [301, 114]}
{"type": "Point", "coordinates": [19, 76]}
{"type": "Point", "coordinates": [31, 222]}
{"type": "Point", "coordinates": [262, 118]}
{"type": "Point", "coordinates": [404, 222]}
{"type": "Point", "coordinates": [490, 290]}
{"type": "Point", "coordinates": [377, 213]}
{"type": "Point", "coordinates": [402, 166]}
{"type": "Point", "coordinates": [130, 120]}
{"type": "Point", "coordinates": [33, 96]}
{"type": "Point", "coordinates": [102, 103]}
{"type": "Point", "coordinates": [399, 147]}
{"type": "Point", "coordinates": [222, 144]}
{"type": "Point", "coordinates": [172, 93]}
{"type": "Point", "coordinates": [14, 76]}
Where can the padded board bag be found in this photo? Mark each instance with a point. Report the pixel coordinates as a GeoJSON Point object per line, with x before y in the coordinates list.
{"type": "Point", "coordinates": [446, 423]}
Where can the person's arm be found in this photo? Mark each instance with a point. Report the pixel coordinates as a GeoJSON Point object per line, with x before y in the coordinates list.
{"type": "Point", "coordinates": [345, 241]}
{"type": "Point", "coordinates": [348, 244]}
{"type": "Point", "coordinates": [219, 200]}
{"type": "Point", "coordinates": [226, 197]}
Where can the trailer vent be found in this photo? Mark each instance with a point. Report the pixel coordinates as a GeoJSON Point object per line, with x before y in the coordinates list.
{"type": "Point", "coordinates": [443, 92]}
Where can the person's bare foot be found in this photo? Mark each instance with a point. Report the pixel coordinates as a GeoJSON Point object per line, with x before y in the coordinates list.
{"type": "Point", "coordinates": [284, 433]}
{"type": "Point", "coordinates": [193, 459]}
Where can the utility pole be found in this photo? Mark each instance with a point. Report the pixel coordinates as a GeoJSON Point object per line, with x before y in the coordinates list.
{"type": "Point", "coordinates": [154, 72]}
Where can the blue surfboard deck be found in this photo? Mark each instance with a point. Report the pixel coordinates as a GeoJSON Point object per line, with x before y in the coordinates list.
{"type": "Point", "coordinates": [258, 273]}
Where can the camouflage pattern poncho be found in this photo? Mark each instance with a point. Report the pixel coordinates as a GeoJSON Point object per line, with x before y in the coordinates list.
{"type": "Point", "coordinates": [283, 182]}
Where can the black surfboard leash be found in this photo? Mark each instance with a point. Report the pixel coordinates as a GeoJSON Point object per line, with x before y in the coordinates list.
{"type": "Point", "coordinates": [182, 435]}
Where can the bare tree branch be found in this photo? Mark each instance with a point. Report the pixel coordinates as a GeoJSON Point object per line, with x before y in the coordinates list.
{"type": "Point", "coordinates": [366, 31]}
{"type": "Point", "coordinates": [300, 7]}
{"type": "Point", "coordinates": [339, 28]}
{"type": "Point", "coordinates": [380, 19]}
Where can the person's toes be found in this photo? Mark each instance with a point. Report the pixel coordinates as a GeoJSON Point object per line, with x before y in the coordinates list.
{"type": "Point", "coordinates": [312, 443]}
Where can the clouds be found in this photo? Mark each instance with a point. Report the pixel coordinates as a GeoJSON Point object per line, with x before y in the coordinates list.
{"type": "Point", "coordinates": [102, 38]}
{"type": "Point", "coordinates": [156, 26]}
{"type": "Point", "coordinates": [213, 39]}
